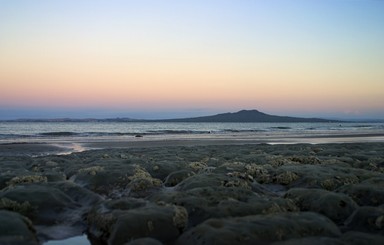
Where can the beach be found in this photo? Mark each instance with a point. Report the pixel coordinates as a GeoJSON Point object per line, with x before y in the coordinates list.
{"type": "Point", "coordinates": [191, 122]}
{"type": "Point", "coordinates": [193, 191]}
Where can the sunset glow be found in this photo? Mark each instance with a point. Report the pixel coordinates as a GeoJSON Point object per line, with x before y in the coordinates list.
{"type": "Point", "coordinates": [283, 57]}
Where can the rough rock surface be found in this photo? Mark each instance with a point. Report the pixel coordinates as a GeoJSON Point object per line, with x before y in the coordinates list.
{"type": "Point", "coordinates": [120, 221]}
{"type": "Point", "coordinates": [260, 229]}
{"type": "Point", "coordinates": [338, 207]}
{"type": "Point", "coordinates": [16, 229]}
{"type": "Point", "coordinates": [283, 194]}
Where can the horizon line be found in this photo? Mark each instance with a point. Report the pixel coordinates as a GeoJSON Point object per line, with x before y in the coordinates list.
{"type": "Point", "coordinates": [133, 119]}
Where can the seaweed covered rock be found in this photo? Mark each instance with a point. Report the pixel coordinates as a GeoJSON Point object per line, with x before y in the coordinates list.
{"type": "Point", "coordinates": [202, 203]}
{"type": "Point", "coordinates": [272, 190]}
{"type": "Point", "coordinates": [311, 241]}
{"type": "Point", "coordinates": [120, 221]}
{"type": "Point", "coordinates": [336, 206]}
{"type": "Point", "coordinates": [260, 229]}
{"type": "Point", "coordinates": [360, 238]}
{"type": "Point", "coordinates": [176, 177]}
{"type": "Point", "coordinates": [255, 205]}
{"type": "Point", "coordinates": [261, 173]}
{"type": "Point", "coordinates": [314, 176]}
{"type": "Point", "coordinates": [26, 179]}
{"type": "Point", "coordinates": [366, 219]}
{"type": "Point", "coordinates": [285, 178]}
{"type": "Point", "coordinates": [54, 206]}
{"type": "Point", "coordinates": [161, 169]}
{"type": "Point", "coordinates": [110, 180]}
{"type": "Point", "coordinates": [46, 204]}
{"type": "Point", "coordinates": [80, 195]}
{"type": "Point", "coordinates": [142, 183]}
{"type": "Point", "coordinates": [144, 241]}
{"type": "Point", "coordinates": [16, 229]}
{"type": "Point", "coordinates": [210, 179]}
{"type": "Point", "coordinates": [367, 193]}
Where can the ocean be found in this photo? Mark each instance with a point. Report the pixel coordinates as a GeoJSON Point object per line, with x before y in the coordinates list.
{"type": "Point", "coordinates": [16, 132]}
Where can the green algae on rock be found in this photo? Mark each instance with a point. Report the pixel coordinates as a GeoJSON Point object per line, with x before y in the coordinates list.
{"type": "Point", "coordinates": [261, 229]}
{"type": "Point", "coordinates": [16, 229]}
{"type": "Point", "coordinates": [120, 221]}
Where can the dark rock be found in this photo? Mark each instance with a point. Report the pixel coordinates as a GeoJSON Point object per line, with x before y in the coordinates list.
{"type": "Point", "coordinates": [44, 205]}
{"type": "Point", "coordinates": [360, 238]}
{"type": "Point", "coordinates": [336, 206]}
{"type": "Point", "coordinates": [27, 179]}
{"type": "Point", "coordinates": [55, 208]}
{"type": "Point", "coordinates": [254, 206]}
{"type": "Point", "coordinates": [366, 193]}
{"type": "Point", "coordinates": [144, 241]}
{"type": "Point", "coordinates": [175, 178]}
{"type": "Point", "coordinates": [260, 229]}
{"type": "Point", "coordinates": [366, 219]}
{"type": "Point", "coordinates": [142, 184]}
{"type": "Point", "coordinates": [121, 221]}
{"type": "Point", "coordinates": [16, 229]}
{"type": "Point", "coordinates": [201, 203]}
{"type": "Point", "coordinates": [108, 181]}
{"type": "Point", "coordinates": [272, 190]}
{"type": "Point", "coordinates": [80, 195]}
{"type": "Point", "coordinates": [314, 176]}
{"type": "Point", "coordinates": [311, 241]}
{"type": "Point", "coordinates": [210, 179]}
{"type": "Point", "coordinates": [162, 169]}
{"type": "Point", "coordinates": [55, 176]}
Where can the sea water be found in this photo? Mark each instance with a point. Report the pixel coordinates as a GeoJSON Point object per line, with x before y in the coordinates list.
{"type": "Point", "coordinates": [35, 131]}
{"type": "Point", "coordinates": [77, 240]}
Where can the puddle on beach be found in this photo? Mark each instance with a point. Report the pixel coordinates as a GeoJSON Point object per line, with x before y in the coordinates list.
{"type": "Point", "coordinates": [77, 240]}
{"type": "Point", "coordinates": [72, 147]}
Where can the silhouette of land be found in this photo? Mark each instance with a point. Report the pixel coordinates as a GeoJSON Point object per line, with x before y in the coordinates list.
{"type": "Point", "coordinates": [240, 116]}
{"type": "Point", "coordinates": [248, 116]}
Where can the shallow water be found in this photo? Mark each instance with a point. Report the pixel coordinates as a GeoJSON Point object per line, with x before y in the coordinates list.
{"type": "Point", "coordinates": [25, 131]}
{"type": "Point", "coordinates": [77, 240]}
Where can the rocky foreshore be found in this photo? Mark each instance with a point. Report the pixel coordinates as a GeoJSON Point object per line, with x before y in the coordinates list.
{"type": "Point", "coordinates": [225, 194]}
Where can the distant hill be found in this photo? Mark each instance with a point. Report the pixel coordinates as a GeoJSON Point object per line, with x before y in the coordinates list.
{"type": "Point", "coordinates": [76, 120]}
{"type": "Point", "coordinates": [240, 116]}
{"type": "Point", "coordinates": [247, 116]}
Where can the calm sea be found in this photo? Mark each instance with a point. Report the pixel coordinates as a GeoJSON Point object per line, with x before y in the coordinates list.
{"type": "Point", "coordinates": [34, 131]}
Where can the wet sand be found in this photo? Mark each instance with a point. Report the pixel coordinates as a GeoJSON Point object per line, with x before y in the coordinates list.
{"type": "Point", "coordinates": [30, 149]}
{"type": "Point", "coordinates": [194, 191]}
{"type": "Point", "coordinates": [40, 147]}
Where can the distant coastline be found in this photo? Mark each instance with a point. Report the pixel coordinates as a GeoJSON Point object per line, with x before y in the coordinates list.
{"type": "Point", "coordinates": [242, 116]}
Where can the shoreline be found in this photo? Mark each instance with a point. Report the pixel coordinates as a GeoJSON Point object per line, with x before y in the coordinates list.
{"type": "Point", "coordinates": [64, 146]}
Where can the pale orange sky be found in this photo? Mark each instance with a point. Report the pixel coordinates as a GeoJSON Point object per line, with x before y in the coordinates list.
{"type": "Point", "coordinates": [323, 56]}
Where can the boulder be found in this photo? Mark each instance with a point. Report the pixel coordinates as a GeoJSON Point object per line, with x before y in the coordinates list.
{"type": "Point", "coordinates": [366, 219]}
{"type": "Point", "coordinates": [212, 180]}
{"type": "Point", "coordinates": [311, 241]}
{"type": "Point", "coordinates": [16, 229]}
{"type": "Point", "coordinates": [201, 203]}
{"type": "Point", "coordinates": [176, 177]}
{"type": "Point", "coordinates": [55, 208]}
{"type": "Point", "coordinates": [366, 193]}
{"type": "Point", "coordinates": [260, 229]}
{"type": "Point", "coordinates": [360, 238]}
{"type": "Point", "coordinates": [336, 206]}
{"type": "Point", "coordinates": [120, 221]}
{"type": "Point", "coordinates": [144, 241]}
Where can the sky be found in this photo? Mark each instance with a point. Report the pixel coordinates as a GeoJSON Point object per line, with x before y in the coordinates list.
{"type": "Point", "coordinates": [176, 58]}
